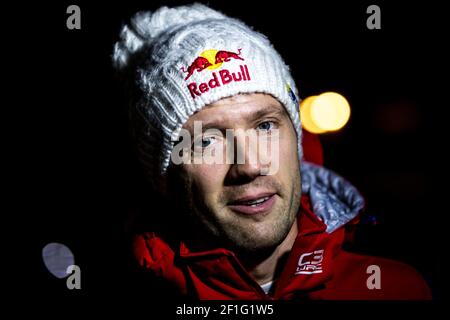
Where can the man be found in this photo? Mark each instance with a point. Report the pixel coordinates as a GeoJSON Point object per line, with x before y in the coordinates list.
{"type": "Point", "coordinates": [215, 114]}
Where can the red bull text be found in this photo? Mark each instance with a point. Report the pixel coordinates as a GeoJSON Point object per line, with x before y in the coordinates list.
{"type": "Point", "coordinates": [213, 59]}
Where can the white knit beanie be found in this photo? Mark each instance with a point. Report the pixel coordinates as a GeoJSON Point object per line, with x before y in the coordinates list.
{"type": "Point", "coordinates": [184, 58]}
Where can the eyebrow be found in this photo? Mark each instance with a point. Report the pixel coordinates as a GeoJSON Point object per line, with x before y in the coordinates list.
{"type": "Point", "coordinates": [270, 110]}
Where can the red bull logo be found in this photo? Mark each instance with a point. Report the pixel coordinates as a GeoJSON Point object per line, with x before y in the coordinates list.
{"type": "Point", "coordinates": [198, 65]}
{"type": "Point", "coordinates": [211, 60]}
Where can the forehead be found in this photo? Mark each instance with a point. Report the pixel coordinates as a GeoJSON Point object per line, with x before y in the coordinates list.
{"type": "Point", "coordinates": [237, 108]}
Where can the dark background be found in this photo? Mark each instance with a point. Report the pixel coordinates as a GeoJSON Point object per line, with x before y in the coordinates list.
{"type": "Point", "coordinates": [78, 178]}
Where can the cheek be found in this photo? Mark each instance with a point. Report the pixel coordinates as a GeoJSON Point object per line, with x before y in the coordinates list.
{"type": "Point", "coordinates": [288, 150]}
{"type": "Point", "coordinates": [288, 155]}
{"type": "Point", "coordinates": [292, 145]}
{"type": "Point", "coordinates": [206, 179]}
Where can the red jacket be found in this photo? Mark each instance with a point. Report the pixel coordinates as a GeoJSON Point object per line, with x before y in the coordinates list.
{"type": "Point", "coordinates": [317, 266]}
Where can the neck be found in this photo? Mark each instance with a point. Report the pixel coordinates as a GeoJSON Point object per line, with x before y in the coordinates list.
{"type": "Point", "coordinates": [265, 270]}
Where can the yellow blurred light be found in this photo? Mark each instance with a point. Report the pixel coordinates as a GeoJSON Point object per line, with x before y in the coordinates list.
{"type": "Point", "coordinates": [329, 111]}
{"type": "Point", "coordinates": [306, 118]}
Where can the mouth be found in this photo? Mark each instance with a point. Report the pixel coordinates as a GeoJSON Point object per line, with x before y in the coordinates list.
{"type": "Point", "coordinates": [250, 205]}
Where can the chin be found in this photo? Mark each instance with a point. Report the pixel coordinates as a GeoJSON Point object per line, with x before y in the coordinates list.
{"type": "Point", "coordinates": [252, 244]}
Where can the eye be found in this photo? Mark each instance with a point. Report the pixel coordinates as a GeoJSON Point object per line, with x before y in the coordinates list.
{"type": "Point", "coordinates": [266, 126]}
{"type": "Point", "coordinates": [203, 142]}
{"type": "Point", "coordinates": [206, 141]}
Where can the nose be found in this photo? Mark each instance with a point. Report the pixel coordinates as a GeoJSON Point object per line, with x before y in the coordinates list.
{"type": "Point", "coordinates": [246, 165]}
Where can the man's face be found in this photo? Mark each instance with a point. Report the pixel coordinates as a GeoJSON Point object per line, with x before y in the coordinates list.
{"type": "Point", "coordinates": [237, 202]}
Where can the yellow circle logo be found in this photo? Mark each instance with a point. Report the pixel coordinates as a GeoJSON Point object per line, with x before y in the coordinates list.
{"type": "Point", "coordinates": [211, 56]}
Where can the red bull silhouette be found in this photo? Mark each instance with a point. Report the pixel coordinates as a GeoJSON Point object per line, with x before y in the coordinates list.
{"type": "Point", "coordinates": [199, 64]}
{"type": "Point", "coordinates": [224, 56]}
